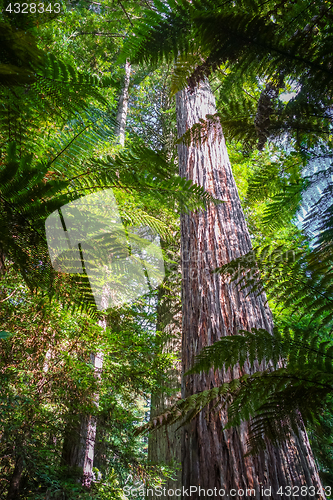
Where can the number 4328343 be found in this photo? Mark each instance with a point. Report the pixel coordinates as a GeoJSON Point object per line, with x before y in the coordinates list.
{"type": "Point", "coordinates": [32, 8]}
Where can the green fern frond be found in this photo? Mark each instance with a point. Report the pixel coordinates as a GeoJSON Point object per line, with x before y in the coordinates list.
{"type": "Point", "coordinates": [138, 217]}
{"type": "Point", "coordinates": [284, 205]}
{"type": "Point", "coordinates": [292, 349]}
{"type": "Point", "coordinates": [237, 121]}
{"type": "Point", "coordinates": [254, 41]}
{"type": "Point", "coordinates": [161, 35]}
{"type": "Point", "coordinates": [143, 170]}
{"type": "Point", "coordinates": [270, 177]}
{"type": "Point", "coordinates": [26, 198]}
{"type": "Point", "coordinates": [276, 401]}
{"type": "Point", "coordinates": [183, 68]}
{"type": "Point", "coordinates": [292, 277]}
{"type": "Point", "coordinates": [76, 143]}
{"type": "Point", "coordinates": [61, 83]}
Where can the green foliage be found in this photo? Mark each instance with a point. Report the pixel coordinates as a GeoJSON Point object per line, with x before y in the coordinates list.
{"type": "Point", "coordinates": [260, 53]}
{"type": "Point", "coordinates": [48, 383]}
{"type": "Point", "coordinates": [279, 399]}
{"type": "Point", "coordinates": [57, 122]}
{"type": "Point", "coordinates": [160, 35]}
{"type": "Point", "coordinates": [27, 197]}
{"type": "Point", "coordinates": [4, 335]}
{"type": "Point", "coordinates": [253, 41]}
{"type": "Point", "coordinates": [293, 276]}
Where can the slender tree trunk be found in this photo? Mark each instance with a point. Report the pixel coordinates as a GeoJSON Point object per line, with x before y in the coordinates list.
{"type": "Point", "coordinates": [164, 445]}
{"type": "Point", "coordinates": [78, 448]}
{"type": "Point", "coordinates": [122, 106]}
{"type": "Point", "coordinates": [88, 428]}
{"type": "Point", "coordinates": [80, 453]}
{"type": "Point", "coordinates": [213, 457]}
{"type": "Point", "coordinates": [14, 486]}
{"type": "Point", "coordinates": [79, 440]}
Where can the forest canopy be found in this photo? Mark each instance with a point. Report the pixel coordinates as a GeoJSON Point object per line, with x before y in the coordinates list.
{"type": "Point", "coordinates": [98, 96]}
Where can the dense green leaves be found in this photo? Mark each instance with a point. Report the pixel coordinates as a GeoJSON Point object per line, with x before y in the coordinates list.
{"type": "Point", "coordinates": [288, 392]}
{"type": "Point", "coordinates": [60, 84]}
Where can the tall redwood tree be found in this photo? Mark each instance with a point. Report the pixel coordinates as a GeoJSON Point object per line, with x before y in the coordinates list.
{"type": "Point", "coordinates": [213, 457]}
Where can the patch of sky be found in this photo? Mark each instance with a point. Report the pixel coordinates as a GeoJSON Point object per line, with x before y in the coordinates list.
{"type": "Point", "coordinates": [287, 96]}
{"type": "Point", "coordinates": [291, 92]}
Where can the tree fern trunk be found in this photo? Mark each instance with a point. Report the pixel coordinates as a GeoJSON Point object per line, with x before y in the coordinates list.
{"type": "Point", "coordinates": [213, 457]}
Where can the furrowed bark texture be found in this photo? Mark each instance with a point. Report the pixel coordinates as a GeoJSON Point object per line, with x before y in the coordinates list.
{"type": "Point", "coordinates": [213, 457]}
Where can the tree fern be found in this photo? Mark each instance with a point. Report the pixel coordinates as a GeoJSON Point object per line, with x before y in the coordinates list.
{"type": "Point", "coordinates": [49, 87]}
{"type": "Point", "coordinates": [154, 38]}
{"type": "Point", "coordinates": [292, 276]}
{"type": "Point", "coordinates": [285, 395]}
{"type": "Point", "coordinates": [31, 192]}
{"type": "Point", "coordinates": [87, 133]}
{"type": "Point", "coordinates": [253, 41]}
{"type": "Point", "coordinates": [147, 171]}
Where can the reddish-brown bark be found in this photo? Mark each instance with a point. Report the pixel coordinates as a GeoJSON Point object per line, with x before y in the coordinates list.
{"type": "Point", "coordinates": [213, 457]}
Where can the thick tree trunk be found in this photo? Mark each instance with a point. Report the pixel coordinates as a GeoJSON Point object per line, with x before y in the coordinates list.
{"type": "Point", "coordinates": [122, 106]}
{"type": "Point", "coordinates": [213, 457]}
